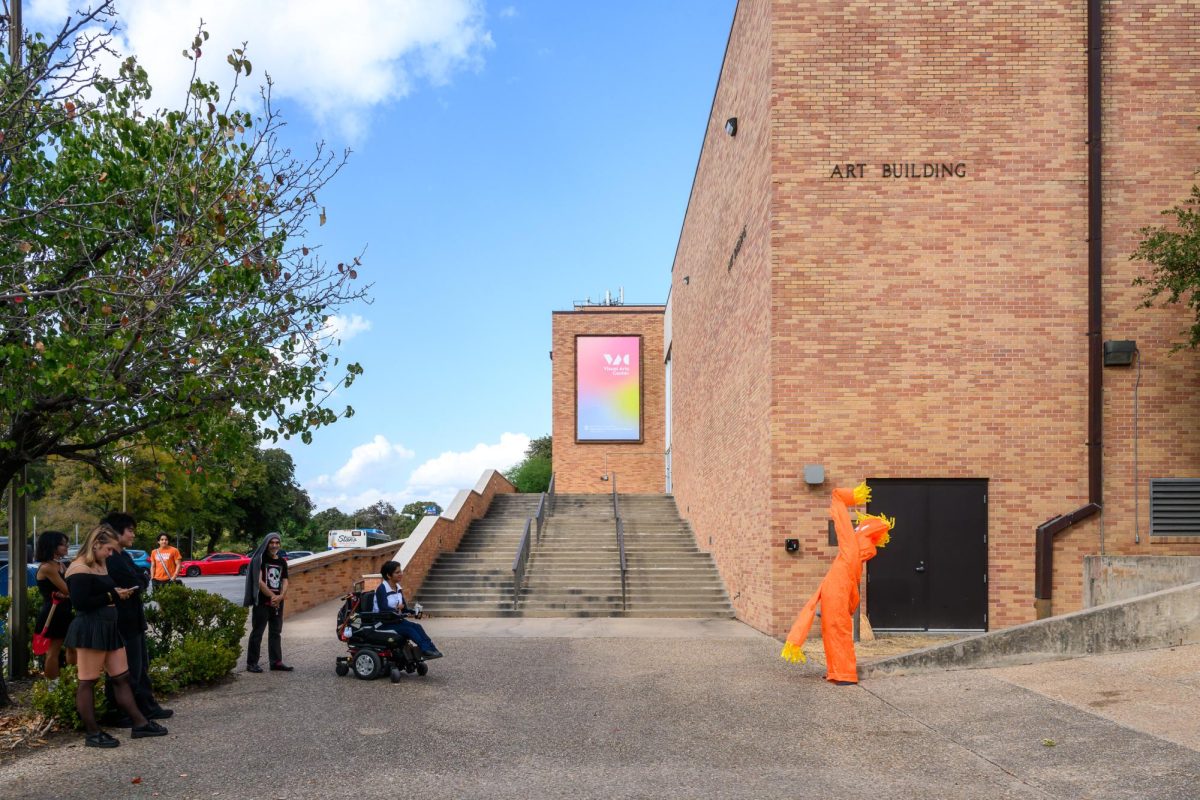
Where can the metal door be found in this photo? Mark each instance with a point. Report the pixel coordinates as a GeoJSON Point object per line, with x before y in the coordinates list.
{"type": "Point", "coordinates": [933, 573]}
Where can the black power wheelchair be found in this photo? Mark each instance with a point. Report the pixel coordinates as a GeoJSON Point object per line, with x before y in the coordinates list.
{"type": "Point", "coordinates": [375, 649]}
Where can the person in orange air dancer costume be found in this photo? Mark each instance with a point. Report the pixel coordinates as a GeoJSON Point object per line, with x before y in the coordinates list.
{"type": "Point", "coordinates": [838, 592]}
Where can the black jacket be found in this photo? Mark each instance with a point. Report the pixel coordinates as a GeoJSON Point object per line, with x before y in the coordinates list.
{"type": "Point", "coordinates": [131, 619]}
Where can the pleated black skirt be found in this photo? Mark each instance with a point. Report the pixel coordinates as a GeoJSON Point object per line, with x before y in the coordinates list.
{"type": "Point", "coordinates": [95, 630]}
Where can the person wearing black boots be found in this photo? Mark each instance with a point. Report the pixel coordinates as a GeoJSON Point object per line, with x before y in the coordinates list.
{"type": "Point", "coordinates": [95, 635]}
{"type": "Point", "coordinates": [131, 619]}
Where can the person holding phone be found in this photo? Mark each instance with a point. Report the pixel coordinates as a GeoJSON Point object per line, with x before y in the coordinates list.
{"type": "Point", "coordinates": [131, 619]}
{"type": "Point", "coordinates": [96, 637]}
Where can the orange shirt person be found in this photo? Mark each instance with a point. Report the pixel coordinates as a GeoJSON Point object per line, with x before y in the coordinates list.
{"type": "Point", "coordinates": [838, 592]}
{"type": "Point", "coordinates": [164, 562]}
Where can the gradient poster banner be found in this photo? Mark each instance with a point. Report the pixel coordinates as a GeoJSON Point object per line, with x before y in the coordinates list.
{"type": "Point", "coordinates": [608, 388]}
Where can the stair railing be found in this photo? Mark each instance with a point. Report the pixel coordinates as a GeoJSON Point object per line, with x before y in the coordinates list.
{"type": "Point", "coordinates": [540, 517]}
{"type": "Point", "coordinates": [520, 563]}
{"type": "Point", "coordinates": [620, 542]}
{"type": "Point", "coordinates": [549, 494]}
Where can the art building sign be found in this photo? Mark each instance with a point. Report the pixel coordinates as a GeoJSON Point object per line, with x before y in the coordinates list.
{"type": "Point", "coordinates": [899, 170]}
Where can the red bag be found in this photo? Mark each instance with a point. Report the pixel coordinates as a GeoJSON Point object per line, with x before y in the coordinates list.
{"type": "Point", "coordinates": [41, 644]}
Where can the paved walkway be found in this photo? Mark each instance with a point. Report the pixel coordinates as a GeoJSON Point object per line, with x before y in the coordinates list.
{"type": "Point", "coordinates": [654, 709]}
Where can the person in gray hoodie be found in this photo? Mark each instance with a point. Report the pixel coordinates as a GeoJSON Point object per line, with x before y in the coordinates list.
{"type": "Point", "coordinates": [266, 586]}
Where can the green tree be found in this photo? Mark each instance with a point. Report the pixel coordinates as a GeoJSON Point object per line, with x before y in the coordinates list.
{"type": "Point", "coordinates": [268, 497]}
{"type": "Point", "coordinates": [534, 471]}
{"type": "Point", "coordinates": [412, 514]}
{"type": "Point", "coordinates": [154, 282]}
{"type": "Point", "coordinates": [1174, 255]}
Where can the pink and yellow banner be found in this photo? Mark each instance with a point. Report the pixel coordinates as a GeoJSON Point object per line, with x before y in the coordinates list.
{"type": "Point", "coordinates": [608, 388]}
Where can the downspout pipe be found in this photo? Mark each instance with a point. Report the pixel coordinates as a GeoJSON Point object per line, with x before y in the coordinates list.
{"type": "Point", "coordinates": [1044, 543]}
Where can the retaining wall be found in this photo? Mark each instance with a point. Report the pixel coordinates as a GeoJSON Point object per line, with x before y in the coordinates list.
{"type": "Point", "coordinates": [324, 576]}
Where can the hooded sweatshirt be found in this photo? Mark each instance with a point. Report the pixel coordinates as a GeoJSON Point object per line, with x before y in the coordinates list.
{"type": "Point", "coordinates": [250, 597]}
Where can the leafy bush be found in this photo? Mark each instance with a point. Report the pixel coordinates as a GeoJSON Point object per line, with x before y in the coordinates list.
{"type": "Point", "coordinates": [32, 606]}
{"type": "Point", "coordinates": [201, 659]}
{"type": "Point", "coordinates": [56, 698]}
{"type": "Point", "coordinates": [179, 613]}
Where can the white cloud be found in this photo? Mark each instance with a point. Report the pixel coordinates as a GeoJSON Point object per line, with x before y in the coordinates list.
{"type": "Point", "coordinates": [366, 462]}
{"type": "Point", "coordinates": [345, 328]}
{"type": "Point", "coordinates": [337, 61]}
{"type": "Point", "coordinates": [464, 468]}
{"type": "Point", "coordinates": [370, 475]}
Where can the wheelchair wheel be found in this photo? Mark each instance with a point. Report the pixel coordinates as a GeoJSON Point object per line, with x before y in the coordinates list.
{"type": "Point", "coordinates": [422, 668]}
{"type": "Point", "coordinates": [367, 664]}
{"type": "Point", "coordinates": [396, 674]}
{"type": "Point", "coordinates": [342, 669]}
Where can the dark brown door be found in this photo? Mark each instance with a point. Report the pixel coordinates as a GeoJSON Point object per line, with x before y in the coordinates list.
{"type": "Point", "coordinates": [933, 574]}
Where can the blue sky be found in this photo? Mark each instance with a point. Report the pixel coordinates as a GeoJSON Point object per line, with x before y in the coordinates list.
{"type": "Point", "coordinates": [510, 158]}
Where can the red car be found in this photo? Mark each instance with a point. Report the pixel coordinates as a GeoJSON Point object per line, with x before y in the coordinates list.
{"type": "Point", "coordinates": [216, 564]}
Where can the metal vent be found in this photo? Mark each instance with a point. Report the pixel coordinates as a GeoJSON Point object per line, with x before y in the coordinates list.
{"type": "Point", "coordinates": [1175, 506]}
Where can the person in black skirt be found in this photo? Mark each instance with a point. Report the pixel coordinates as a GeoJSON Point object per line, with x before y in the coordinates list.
{"type": "Point", "coordinates": [56, 599]}
{"type": "Point", "coordinates": [97, 641]}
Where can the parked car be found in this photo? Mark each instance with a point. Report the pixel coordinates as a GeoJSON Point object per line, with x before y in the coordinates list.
{"type": "Point", "coordinates": [141, 560]}
{"type": "Point", "coordinates": [216, 564]}
{"type": "Point", "coordinates": [30, 578]}
{"type": "Point", "coordinates": [294, 554]}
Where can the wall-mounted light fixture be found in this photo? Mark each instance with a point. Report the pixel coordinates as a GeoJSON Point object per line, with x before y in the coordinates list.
{"type": "Point", "coordinates": [731, 126]}
{"type": "Point", "coordinates": [1119, 353]}
{"type": "Point", "coordinates": [687, 279]}
{"type": "Point", "coordinates": [814, 474]}
{"type": "Point", "coordinates": [791, 545]}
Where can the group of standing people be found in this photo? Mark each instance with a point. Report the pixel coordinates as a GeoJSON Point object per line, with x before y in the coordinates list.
{"type": "Point", "coordinates": [94, 608]}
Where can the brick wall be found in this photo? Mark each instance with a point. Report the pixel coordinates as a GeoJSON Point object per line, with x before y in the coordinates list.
{"type": "Point", "coordinates": [328, 575]}
{"type": "Point", "coordinates": [720, 308]}
{"type": "Point", "coordinates": [927, 328]}
{"type": "Point", "coordinates": [578, 465]}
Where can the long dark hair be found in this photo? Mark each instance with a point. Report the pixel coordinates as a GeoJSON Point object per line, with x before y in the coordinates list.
{"type": "Point", "coordinates": [47, 543]}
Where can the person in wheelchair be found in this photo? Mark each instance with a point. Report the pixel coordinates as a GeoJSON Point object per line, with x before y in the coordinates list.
{"type": "Point", "coordinates": [389, 597]}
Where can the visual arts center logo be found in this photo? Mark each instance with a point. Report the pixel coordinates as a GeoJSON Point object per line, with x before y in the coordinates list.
{"type": "Point", "coordinates": [617, 364]}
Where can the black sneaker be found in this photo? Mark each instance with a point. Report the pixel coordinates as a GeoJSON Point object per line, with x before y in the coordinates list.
{"type": "Point", "coordinates": [279, 666]}
{"type": "Point", "coordinates": [101, 739]}
{"type": "Point", "coordinates": [255, 668]}
{"type": "Point", "coordinates": [151, 728]}
{"type": "Point", "coordinates": [434, 653]}
{"type": "Point", "coordinates": [161, 713]}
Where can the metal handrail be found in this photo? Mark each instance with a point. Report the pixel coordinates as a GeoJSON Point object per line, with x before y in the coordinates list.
{"type": "Point", "coordinates": [520, 562]}
{"type": "Point", "coordinates": [616, 502]}
{"type": "Point", "coordinates": [550, 494]}
{"type": "Point", "coordinates": [540, 517]}
{"type": "Point", "coordinates": [624, 565]}
{"type": "Point", "coordinates": [620, 541]}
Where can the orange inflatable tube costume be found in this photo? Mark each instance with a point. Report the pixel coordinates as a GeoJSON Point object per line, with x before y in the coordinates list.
{"type": "Point", "coordinates": [838, 592]}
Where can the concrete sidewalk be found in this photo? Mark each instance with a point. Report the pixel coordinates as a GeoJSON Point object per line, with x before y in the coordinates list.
{"type": "Point", "coordinates": [649, 708]}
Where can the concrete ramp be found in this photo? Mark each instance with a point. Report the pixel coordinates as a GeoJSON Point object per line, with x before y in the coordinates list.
{"type": "Point", "coordinates": [1162, 619]}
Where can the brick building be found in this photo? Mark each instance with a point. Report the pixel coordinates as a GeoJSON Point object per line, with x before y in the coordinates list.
{"type": "Point", "coordinates": [890, 269]}
{"type": "Point", "coordinates": [585, 459]}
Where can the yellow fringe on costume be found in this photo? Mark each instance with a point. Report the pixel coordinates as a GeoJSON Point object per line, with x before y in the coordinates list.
{"type": "Point", "coordinates": [862, 494]}
{"type": "Point", "coordinates": [888, 523]}
{"type": "Point", "coordinates": [793, 653]}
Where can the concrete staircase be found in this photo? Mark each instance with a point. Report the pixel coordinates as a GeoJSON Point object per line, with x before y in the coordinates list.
{"type": "Point", "coordinates": [575, 570]}
{"type": "Point", "coordinates": [476, 579]}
